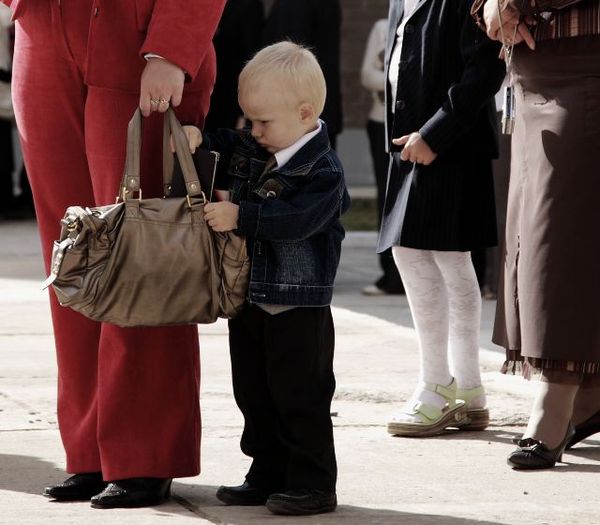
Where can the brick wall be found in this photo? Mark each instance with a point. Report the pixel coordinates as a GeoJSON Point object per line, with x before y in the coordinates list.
{"type": "Point", "coordinates": [358, 18]}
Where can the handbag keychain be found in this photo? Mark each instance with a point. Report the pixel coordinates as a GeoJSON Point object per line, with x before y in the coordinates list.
{"type": "Point", "coordinates": [509, 102]}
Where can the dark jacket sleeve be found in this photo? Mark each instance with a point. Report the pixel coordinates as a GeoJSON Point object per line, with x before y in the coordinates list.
{"type": "Point", "coordinates": [482, 76]}
{"type": "Point", "coordinates": [308, 212]}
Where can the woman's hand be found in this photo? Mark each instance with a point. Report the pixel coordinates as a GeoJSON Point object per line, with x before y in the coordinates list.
{"type": "Point", "coordinates": [415, 149]}
{"type": "Point", "coordinates": [161, 86]}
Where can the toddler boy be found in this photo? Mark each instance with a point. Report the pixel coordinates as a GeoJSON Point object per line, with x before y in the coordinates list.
{"type": "Point", "coordinates": [287, 193]}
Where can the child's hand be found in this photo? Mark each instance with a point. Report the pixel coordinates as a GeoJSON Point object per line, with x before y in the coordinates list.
{"type": "Point", "coordinates": [222, 216]}
{"type": "Point", "coordinates": [193, 136]}
{"type": "Point", "coordinates": [415, 149]}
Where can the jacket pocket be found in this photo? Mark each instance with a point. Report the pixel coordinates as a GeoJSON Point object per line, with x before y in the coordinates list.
{"type": "Point", "coordinates": [143, 12]}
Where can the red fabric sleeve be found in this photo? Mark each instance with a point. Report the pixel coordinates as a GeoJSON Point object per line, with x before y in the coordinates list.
{"type": "Point", "coordinates": [181, 31]}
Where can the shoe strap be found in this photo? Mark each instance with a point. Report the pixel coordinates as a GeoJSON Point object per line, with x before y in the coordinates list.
{"type": "Point", "coordinates": [468, 394]}
{"type": "Point", "coordinates": [448, 392]}
{"type": "Point", "coordinates": [426, 412]}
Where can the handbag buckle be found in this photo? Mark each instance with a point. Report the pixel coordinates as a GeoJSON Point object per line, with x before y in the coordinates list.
{"type": "Point", "coordinates": [123, 195]}
{"type": "Point", "coordinates": [189, 201]}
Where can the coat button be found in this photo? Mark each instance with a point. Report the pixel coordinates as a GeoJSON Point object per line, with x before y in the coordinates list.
{"type": "Point", "coordinates": [400, 105]}
{"type": "Point", "coordinates": [271, 194]}
{"type": "Point", "coordinates": [409, 29]}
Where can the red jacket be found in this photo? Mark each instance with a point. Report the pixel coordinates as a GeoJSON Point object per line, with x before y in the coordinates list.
{"type": "Point", "coordinates": [122, 31]}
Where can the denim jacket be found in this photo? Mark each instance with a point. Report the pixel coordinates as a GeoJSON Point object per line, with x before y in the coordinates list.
{"type": "Point", "coordinates": [290, 216]}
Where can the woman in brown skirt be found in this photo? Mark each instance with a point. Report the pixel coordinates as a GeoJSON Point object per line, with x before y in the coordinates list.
{"type": "Point", "coordinates": [548, 317]}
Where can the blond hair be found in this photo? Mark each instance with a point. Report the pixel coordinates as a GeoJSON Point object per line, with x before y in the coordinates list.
{"type": "Point", "coordinates": [289, 67]}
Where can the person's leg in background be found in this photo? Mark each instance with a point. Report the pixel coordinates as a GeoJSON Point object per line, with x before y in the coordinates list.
{"type": "Point", "coordinates": [390, 282]}
{"type": "Point", "coordinates": [6, 168]}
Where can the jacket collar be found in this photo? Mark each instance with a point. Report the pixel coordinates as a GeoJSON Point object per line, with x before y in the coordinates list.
{"type": "Point", "coordinates": [305, 158]}
{"type": "Point", "coordinates": [301, 162]}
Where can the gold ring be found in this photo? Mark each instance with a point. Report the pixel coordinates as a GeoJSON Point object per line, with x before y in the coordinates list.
{"type": "Point", "coordinates": [154, 101]}
{"type": "Point", "coordinates": [163, 101]}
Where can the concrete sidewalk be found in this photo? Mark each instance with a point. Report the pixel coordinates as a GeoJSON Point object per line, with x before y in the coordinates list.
{"type": "Point", "coordinates": [459, 478]}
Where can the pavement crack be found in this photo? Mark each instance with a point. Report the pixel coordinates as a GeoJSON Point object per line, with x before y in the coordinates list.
{"type": "Point", "coordinates": [194, 509]}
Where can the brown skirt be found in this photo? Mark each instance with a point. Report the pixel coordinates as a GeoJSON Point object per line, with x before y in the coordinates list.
{"type": "Point", "coordinates": [548, 315]}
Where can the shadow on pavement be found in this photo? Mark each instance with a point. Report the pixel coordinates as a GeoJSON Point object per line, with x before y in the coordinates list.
{"type": "Point", "coordinates": [201, 500]}
{"type": "Point", "coordinates": [27, 474]}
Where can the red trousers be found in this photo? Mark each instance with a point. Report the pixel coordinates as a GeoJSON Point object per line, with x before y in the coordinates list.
{"type": "Point", "coordinates": [128, 399]}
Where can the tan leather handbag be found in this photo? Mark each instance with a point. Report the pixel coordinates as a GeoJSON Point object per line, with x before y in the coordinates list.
{"type": "Point", "coordinates": [149, 262]}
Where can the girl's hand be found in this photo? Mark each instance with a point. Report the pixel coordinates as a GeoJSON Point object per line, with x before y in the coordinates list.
{"type": "Point", "coordinates": [415, 149]}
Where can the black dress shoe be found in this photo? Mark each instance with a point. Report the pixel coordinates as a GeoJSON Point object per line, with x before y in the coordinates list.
{"type": "Point", "coordinates": [79, 487]}
{"type": "Point", "coordinates": [302, 502]}
{"type": "Point", "coordinates": [532, 454]}
{"type": "Point", "coordinates": [244, 494]}
{"type": "Point", "coordinates": [133, 492]}
{"type": "Point", "coordinates": [584, 430]}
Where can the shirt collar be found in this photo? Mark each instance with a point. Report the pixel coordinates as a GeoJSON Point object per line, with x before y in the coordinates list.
{"type": "Point", "coordinates": [283, 156]}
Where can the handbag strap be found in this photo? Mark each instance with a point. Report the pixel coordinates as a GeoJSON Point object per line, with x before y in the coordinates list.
{"type": "Point", "coordinates": [130, 183]}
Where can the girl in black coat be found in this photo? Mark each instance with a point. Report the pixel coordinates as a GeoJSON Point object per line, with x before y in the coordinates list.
{"type": "Point", "coordinates": [441, 129]}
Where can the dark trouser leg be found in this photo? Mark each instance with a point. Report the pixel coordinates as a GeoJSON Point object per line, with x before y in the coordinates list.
{"type": "Point", "coordinates": [299, 351]}
{"type": "Point", "coordinates": [261, 439]}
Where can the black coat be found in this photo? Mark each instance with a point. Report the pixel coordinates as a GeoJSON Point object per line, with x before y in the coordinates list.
{"type": "Point", "coordinates": [315, 24]}
{"type": "Point", "coordinates": [449, 74]}
{"type": "Point", "coordinates": [238, 37]}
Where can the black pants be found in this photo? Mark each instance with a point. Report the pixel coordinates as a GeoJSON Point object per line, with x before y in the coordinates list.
{"type": "Point", "coordinates": [283, 382]}
{"type": "Point", "coordinates": [390, 280]}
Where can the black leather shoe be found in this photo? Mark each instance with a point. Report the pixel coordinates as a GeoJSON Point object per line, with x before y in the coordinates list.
{"type": "Point", "coordinates": [532, 454]}
{"type": "Point", "coordinates": [133, 492]}
{"type": "Point", "coordinates": [244, 494]}
{"type": "Point", "coordinates": [584, 430]}
{"type": "Point", "coordinates": [302, 502]}
{"type": "Point", "coordinates": [79, 487]}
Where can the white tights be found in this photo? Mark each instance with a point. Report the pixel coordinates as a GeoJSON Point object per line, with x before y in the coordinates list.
{"type": "Point", "coordinates": [445, 302]}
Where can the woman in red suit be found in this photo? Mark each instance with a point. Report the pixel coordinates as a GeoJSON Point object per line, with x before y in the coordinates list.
{"type": "Point", "coordinates": [128, 406]}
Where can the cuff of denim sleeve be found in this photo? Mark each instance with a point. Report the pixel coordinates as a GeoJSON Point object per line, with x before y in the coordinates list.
{"type": "Point", "coordinates": [441, 131]}
{"type": "Point", "coordinates": [249, 215]}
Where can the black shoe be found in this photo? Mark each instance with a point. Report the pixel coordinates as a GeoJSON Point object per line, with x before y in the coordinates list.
{"type": "Point", "coordinates": [302, 502]}
{"type": "Point", "coordinates": [79, 487]}
{"type": "Point", "coordinates": [133, 492]}
{"type": "Point", "coordinates": [584, 430]}
{"type": "Point", "coordinates": [532, 454]}
{"type": "Point", "coordinates": [244, 494]}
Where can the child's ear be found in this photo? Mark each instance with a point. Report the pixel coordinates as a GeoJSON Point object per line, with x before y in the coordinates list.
{"type": "Point", "coordinates": [307, 112]}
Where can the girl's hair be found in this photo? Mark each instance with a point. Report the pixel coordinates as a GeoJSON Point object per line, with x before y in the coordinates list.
{"type": "Point", "coordinates": [291, 69]}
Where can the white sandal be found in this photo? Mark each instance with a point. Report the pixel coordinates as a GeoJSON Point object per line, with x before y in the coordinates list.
{"type": "Point", "coordinates": [477, 418]}
{"type": "Point", "coordinates": [422, 419]}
